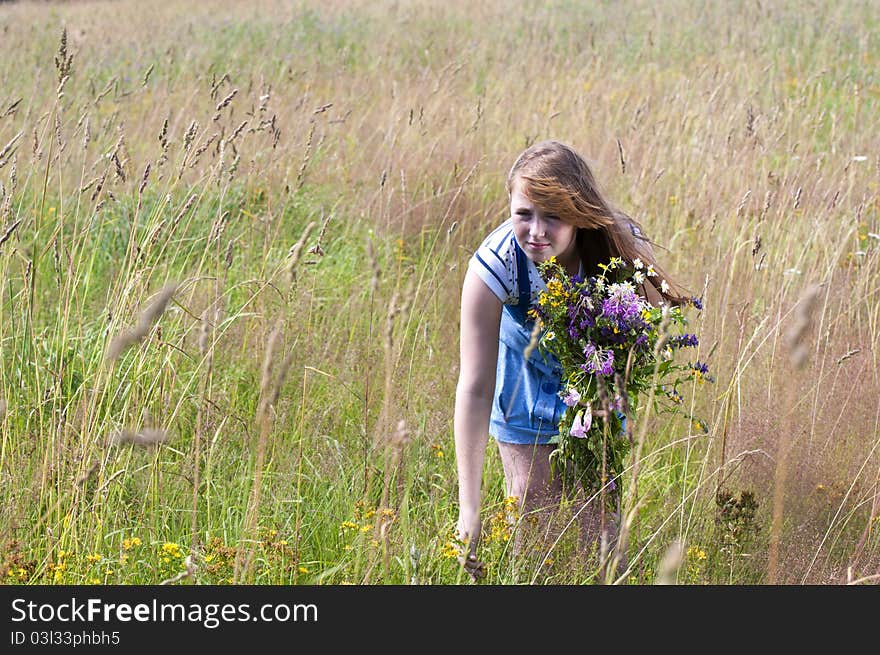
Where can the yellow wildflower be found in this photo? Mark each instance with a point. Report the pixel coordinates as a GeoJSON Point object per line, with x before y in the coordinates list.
{"type": "Point", "coordinates": [171, 549]}
{"type": "Point", "coordinates": [449, 550]}
{"type": "Point", "coordinates": [697, 553]}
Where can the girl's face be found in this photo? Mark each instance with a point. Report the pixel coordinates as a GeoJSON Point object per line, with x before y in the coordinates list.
{"type": "Point", "coordinates": [540, 235]}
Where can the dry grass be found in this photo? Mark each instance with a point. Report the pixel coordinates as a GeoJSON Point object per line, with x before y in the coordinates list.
{"type": "Point", "coordinates": [204, 143]}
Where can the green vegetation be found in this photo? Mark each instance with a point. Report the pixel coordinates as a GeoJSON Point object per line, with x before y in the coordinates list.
{"type": "Point", "coordinates": [312, 179]}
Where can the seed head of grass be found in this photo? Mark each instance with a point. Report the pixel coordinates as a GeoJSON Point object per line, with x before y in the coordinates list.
{"type": "Point", "coordinates": [796, 333]}
{"type": "Point", "coordinates": [148, 317]}
{"type": "Point", "coordinates": [142, 437]}
{"type": "Point", "coordinates": [671, 563]}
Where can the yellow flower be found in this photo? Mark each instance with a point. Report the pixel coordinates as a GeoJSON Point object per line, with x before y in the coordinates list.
{"type": "Point", "coordinates": [449, 550]}
{"type": "Point", "coordinates": [348, 525]}
{"type": "Point", "coordinates": [697, 553]}
{"type": "Point", "coordinates": [303, 569]}
{"type": "Point", "coordinates": [93, 558]}
{"type": "Point", "coordinates": [128, 544]}
{"type": "Point", "coordinates": [171, 549]}
{"type": "Point", "coordinates": [367, 527]}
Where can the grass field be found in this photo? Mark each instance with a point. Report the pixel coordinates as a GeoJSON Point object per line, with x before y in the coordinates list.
{"type": "Point", "coordinates": [311, 179]}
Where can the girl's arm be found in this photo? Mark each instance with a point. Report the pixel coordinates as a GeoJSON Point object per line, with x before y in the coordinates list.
{"type": "Point", "coordinates": [480, 321]}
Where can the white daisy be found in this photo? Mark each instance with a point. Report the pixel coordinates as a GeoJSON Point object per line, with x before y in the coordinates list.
{"type": "Point", "coordinates": [638, 263]}
{"type": "Point", "coordinates": [664, 286]}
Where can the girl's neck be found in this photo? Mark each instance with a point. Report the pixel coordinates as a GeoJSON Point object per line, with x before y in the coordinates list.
{"type": "Point", "coordinates": [570, 259]}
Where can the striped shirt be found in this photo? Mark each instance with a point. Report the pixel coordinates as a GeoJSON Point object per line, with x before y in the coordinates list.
{"type": "Point", "coordinates": [495, 263]}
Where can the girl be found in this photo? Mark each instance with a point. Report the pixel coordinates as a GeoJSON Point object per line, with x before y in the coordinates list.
{"type": "Point", "coordinates": [556, 210]}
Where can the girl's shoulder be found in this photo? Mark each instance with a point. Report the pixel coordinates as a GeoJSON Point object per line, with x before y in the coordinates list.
{"type": "Point", "coordinates": [495, 261]}
{"type": "Point", "coordinates": [500, 237]}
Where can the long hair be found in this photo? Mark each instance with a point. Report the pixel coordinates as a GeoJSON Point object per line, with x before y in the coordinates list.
{"type": "Point", "coordinates": [559, 181]}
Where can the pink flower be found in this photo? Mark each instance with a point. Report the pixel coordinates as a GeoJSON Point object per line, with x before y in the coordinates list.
{"type": "Point", "coordinates": [581, 424]}
{"type": "Point", "coordinates": [572, 398]}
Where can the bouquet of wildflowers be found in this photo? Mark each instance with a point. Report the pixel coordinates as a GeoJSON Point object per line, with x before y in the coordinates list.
{"type": "Point", "coordinates": [614, 347]}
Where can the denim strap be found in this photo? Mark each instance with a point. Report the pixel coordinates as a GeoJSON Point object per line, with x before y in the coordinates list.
{"type": "Point", "coordinates": [519, 311]}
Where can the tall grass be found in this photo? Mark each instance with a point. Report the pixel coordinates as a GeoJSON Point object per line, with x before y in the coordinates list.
{"type": "Point", "coordinates": [312, 179]}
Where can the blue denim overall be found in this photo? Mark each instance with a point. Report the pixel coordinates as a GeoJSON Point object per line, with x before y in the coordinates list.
{"type": "Point", "coordinates": [526, 408]}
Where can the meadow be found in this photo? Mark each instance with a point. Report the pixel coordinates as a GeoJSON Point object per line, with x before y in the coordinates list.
{"type": "Point", "coordinates": [232, 242]}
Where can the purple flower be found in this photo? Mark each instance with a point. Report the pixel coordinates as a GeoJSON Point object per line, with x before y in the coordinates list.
{"type": "Point", "coordinates": [622, 303]}
{"type": "Point", "coordinates": [684, 341]}
{"type": "Point", "coordinates": [696, 302]}
{"type": "Point", "coordinates": [701, 371]}
{"type": "Point", "coordinates": [581, 423]}
{"type": "Point", "coordinates": [572, 398]}
{"type": "Point", "coordinates": [598, 360]}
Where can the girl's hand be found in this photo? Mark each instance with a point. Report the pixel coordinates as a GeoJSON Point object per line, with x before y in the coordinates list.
{"type": "Point", "coordinates": [468, 533]}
